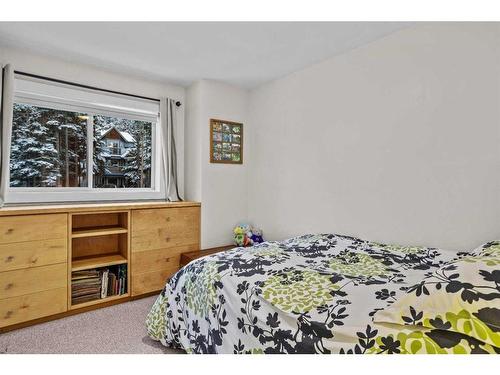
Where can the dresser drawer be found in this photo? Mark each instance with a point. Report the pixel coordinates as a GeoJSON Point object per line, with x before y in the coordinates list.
{"type": "Point", "coordinates": [33, 227]}
{"type": "Point", "coordinates": [151, 281]}
{"type": "Point", "coordinates": [32, 306]}
{"type": "Point", "coordinates": [32, 254]}
{"type": "Point", "coordinates": [145, 261]}
{"type": "Point", "coordinates": [165, 228]}
{"type": "Point", "coordinates": [33, 280]}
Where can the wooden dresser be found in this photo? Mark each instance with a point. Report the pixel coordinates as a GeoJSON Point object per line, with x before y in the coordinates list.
{"type": "Point", "coordinates": [159, 236]}
{"type": "Point", "coordinates": [41, 247]}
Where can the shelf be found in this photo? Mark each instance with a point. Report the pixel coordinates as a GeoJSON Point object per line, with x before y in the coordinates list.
{"type": "Point", "coordinates": [97, 261]}
{"type": "Point", "coordinates": [98, 231]}
{"type": "Point", "coordinates": [100, 300]}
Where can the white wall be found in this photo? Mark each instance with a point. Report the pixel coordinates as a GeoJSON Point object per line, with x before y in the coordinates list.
{"type": "Point", "coordinates": [94, 76]}
{"type": "Point", "coordinates": [222, 188]}
{"type": "Point", "coordinates": [396, 141]}
{"type": "Point", "coordinates": [193, 155]}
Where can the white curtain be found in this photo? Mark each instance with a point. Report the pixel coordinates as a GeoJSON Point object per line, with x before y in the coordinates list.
{"type": "Point", "coordinates": [169, 151]}
{"type": "Point", "coordinates": [6, 100]}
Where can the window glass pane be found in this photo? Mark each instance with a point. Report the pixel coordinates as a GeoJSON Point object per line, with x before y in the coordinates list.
{"type": "Point", "coordinates": [122, 153]}
{"type": "Point", "coordinates": [49, 148]}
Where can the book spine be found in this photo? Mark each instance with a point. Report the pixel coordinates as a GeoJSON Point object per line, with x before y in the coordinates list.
{"type": "Point", "coordinates": [104, 288]}
{"type": "Point", "coordinates": [103, 274]}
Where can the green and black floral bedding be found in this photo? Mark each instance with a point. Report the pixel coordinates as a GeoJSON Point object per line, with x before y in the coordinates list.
{"type": "Point", "coordinates": [333, 294]}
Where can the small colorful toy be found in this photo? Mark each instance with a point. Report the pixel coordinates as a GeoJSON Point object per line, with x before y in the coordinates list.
{"type": "Point", "coordinates": [245, 235]}
{"type": "Point", "coordinates": [239, 236]}
{"type": "Point", "coordinates": [257, 236]}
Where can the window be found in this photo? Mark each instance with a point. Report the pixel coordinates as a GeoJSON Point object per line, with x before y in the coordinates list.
{"type": "Point", "coordinates": [49, 148]}
{"type": "Point", "coordinates": [73, 144]}
{"type": "Point", "coordinates": [122, 153]}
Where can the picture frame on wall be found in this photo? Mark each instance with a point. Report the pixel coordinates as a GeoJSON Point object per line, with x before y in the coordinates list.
{"type": "Point", "coordinates": [226, 142]}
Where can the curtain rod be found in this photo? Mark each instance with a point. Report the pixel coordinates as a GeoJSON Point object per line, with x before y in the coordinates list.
{"type": "Point", "coordinates": [177, 103]}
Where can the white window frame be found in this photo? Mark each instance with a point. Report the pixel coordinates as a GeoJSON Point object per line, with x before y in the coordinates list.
{"type": "Point", "coordinates": [88, 193]}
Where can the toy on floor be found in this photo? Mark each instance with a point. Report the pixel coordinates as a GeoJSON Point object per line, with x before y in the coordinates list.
{"type": "Point", "coordinates": [245, 235]}
{"type": "Point", "coordinates": [239, 235]}
{"type": "Point", "coordinates": [257, 236]}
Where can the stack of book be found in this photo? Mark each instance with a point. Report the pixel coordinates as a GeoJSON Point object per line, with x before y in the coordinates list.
{"type": "Point", "coordinates": [85, 286]}
{"type": "Point", "coordinates": [94, 284]}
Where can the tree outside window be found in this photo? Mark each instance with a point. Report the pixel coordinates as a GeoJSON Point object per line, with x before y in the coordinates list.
{"type": "Point", "coordinates": [49, 149]}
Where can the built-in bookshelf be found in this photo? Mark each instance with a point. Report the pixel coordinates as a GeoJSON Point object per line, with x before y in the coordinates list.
{"type": "Point", "coordinates": [98, 284]}
{"type": "Point", "coordinates": [100, 254]}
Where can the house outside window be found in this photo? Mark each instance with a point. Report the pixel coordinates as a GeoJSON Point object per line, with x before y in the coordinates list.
{"type": "Point", "coordinates": [125, 160]}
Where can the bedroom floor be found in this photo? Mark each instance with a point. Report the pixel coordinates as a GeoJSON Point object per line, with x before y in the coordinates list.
{"type": "Point", "coordinates": [98, 331]}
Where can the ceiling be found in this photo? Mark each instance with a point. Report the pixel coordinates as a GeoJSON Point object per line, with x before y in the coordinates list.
{"type": "Point", "coordinates": [245, 54]}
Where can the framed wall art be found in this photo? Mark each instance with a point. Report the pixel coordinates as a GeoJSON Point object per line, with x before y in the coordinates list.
{"type": "Point", "coordinates": [226, 142]}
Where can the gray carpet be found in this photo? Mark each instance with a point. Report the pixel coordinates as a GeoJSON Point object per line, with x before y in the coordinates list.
{"type": "Point", "coordinates": [116, 329]}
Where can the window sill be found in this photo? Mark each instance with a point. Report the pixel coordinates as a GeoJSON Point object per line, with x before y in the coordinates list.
{"type": "Point", "coordinates": [61, 195]}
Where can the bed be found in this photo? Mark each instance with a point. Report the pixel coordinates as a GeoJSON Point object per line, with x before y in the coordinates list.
{"type": "Point", "coordinates": [329, 293]}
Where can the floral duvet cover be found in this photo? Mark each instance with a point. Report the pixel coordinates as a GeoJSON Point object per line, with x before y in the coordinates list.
{"type": "Point", "coordinates": [309, 294]}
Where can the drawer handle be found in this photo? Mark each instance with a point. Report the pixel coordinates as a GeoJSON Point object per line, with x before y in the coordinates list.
{"type": "Point", "coordinates": [9, 286]}
{"type": "Point", "coordinates": [10, 258]}
{"type": "Point", "coordinates": [168, 218]}
{"type": "Point", "coordinates": [8, 314]}
{"type": "Point", "coordinates": [167, 260]}
{"type": "Point", "coordinates": [10, 230]}
{"type": "Point", "coordinates": [34, 260]}
{"type": "Point", "coordinates": [167, 239]}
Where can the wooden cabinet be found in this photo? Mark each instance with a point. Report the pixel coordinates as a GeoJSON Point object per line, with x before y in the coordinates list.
{"type": "Point", "coordinates": [33, 267]}
{"type": "Point", "coordinates": [187, 258]}
{"type": "Point", "coordinates": [40, 247]}
{"type": "Point", "coordinates": [159, 237]}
